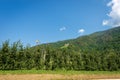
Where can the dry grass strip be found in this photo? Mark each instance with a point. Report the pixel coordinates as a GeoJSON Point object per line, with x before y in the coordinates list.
{"type": "Point", "coordinates": [58, 77]}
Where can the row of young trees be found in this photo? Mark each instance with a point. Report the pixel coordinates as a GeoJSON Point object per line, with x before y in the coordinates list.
{"type": "Point", "coordinates": [18, 57]}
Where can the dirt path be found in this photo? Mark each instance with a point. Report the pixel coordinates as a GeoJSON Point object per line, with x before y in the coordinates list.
{"type": "Point", "coordinates": [58, 77]}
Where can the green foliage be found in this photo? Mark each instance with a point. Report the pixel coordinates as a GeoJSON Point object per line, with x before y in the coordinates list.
{"type": "Point", "coordinates": [63, 72]}
{"type": "Point", "coordinates": [96, 52]}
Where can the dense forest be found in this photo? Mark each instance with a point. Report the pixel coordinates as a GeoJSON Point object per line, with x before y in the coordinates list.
{"type": "Point", "coordinates": [97, 51]}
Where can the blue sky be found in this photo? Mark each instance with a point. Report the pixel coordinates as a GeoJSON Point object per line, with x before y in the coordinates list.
{"type": "Point", "coordinates": [51, 20]}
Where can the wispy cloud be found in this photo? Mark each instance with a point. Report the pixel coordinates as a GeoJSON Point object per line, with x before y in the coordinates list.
{"type": "Point", "coordinates": [81, 31]}
{"type": "Point", "coordinates": [62, 29]}
{"type": "Point", "coordinates": [114, 15]}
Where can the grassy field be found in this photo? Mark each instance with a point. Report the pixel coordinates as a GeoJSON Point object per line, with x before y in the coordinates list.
{"type": "Point", "coordinates": [56, 72]}
{"type": "Point", "coordinates": [57, 75]}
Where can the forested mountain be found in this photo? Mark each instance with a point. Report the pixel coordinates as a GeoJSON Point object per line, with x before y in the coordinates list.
{"type": "Point", "coordinates": [97, 51]}
{"type": "Point", "coordinates": [103, 40]}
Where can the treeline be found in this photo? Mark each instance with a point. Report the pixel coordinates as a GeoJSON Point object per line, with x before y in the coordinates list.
{"type": "Point", "coordinates": [18, 57]}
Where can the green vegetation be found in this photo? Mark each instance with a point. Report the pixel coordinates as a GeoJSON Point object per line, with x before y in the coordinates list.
{"type": "Point", "coordinates": [57, 72]}
{"type": "Point", "coordinates": [96, 52]}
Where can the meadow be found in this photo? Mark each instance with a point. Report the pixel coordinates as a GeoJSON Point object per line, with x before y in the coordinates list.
{"type": "Point", "coordinates": [64, 72]}
{"type": "Point", "coordinates": [58, 75]}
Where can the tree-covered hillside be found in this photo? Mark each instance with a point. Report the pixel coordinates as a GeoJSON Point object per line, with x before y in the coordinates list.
{"type": "Point", "coordinates": [97, 51]}
{"type": "Point", "coordinates": [103, 40]}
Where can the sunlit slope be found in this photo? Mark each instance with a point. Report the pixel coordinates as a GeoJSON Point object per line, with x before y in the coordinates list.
{"type": "Point", "coordinates": [98, 41]}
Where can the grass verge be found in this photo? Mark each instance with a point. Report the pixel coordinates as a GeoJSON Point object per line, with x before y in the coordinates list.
{"type": "Point", "coordinates": [57, 72]}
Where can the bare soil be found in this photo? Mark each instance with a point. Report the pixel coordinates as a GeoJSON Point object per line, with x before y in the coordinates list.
{"type": "Point", "coordinates": [58, 77]}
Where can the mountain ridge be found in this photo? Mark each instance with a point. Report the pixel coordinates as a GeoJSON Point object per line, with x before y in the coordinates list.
{"type": "Point", "coordinates": [98, 38]}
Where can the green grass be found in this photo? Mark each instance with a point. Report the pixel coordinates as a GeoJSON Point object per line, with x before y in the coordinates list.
{"type": "Point", "coordinates": [56, 72]}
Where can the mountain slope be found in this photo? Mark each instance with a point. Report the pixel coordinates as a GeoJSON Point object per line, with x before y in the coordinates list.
{"type": "Point", "coordinates": [109, 39]}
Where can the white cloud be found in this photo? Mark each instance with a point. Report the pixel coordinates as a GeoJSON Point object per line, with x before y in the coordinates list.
{"type": "Point", "coordinates": [105, 22]}
{"type": "Point", "coordinates": [114, 15]}
{"type": "Point", "coordinates": [81, 31]}
{"type": "Point", "coordinates": [62, 29]}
